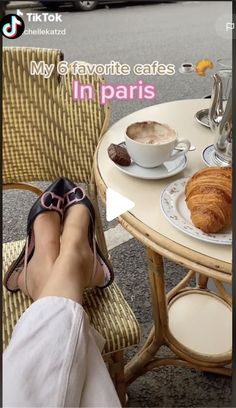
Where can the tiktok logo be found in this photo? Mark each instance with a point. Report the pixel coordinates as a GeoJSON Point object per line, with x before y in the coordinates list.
{"type": "Point", "coordinates": [12, 26]}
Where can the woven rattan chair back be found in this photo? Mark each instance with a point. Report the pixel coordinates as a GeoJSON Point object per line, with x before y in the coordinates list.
{"type": "Point", "coordinates": [46, 133]}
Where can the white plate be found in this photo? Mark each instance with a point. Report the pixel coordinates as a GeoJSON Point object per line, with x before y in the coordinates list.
{"type": "Point", "coordinates": [174, 207]}
{"type": "Point", "coordinates": [167, 169]}
{"type": "Point", "coordinates": [210, 158]}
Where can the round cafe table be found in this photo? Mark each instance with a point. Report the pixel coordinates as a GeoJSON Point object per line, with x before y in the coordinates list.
{"type": "Point", "coordinates": [195, 323]}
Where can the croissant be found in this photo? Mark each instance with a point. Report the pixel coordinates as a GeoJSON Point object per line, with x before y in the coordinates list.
{"type": "Point", "coordinates": [202, 66]}
{"type": "Point", "coordinates": [209, 198]}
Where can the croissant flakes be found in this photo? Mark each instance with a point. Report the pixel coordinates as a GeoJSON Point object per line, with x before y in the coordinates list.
{"type": "Point", "coordinates": [209, 198]}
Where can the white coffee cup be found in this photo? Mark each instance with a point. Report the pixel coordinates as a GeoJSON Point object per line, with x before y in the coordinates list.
{"type": "Point", "coordinates": [150, 144]}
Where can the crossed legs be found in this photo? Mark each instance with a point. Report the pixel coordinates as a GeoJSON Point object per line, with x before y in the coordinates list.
{"type": "Point", "coordinates": [54, 356]}
{"type": "Point", "coordinates": [61, 265]}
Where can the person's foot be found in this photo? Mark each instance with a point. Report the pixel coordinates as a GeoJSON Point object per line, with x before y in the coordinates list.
{"type": "Point", "coordinates": [46, 230]}
{"type": "Point", "coordinates": [72, 271]}
{"type": "Point", "coordinates": [75, 238]}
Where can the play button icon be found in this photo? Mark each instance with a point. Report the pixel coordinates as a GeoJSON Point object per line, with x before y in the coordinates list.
{"type": "Point", "coordinates": [116, 204]}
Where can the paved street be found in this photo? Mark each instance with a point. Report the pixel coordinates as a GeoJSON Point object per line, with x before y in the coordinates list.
{"type": "Point", "coordinates": [166, 32]}
{"type": "Point", "coordinates": [141, 33]}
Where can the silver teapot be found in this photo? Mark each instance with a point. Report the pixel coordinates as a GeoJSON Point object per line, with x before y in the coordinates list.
{"type": "Point", "coordinates": [220, 120]}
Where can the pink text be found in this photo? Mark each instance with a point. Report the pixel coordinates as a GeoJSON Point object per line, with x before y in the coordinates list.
{"type": "Point", "coordinates": [139, 90]}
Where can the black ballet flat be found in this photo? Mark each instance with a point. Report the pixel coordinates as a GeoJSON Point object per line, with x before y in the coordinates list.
{"type": "Point", "coordinates": [76, 195]}
{"type": "Point", "coordinates": [51, 200]}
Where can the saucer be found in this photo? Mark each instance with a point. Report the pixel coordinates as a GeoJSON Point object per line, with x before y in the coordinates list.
{"type": "Point", "coordinates": [210, 157]}
{"type": "Point", "coordinates": [202, 117]}
{"type": "Point", "coordinates": [167, 169]}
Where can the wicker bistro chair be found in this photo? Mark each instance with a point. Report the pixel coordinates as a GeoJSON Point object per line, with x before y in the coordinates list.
{"type": "Point", "coordinates": [47, 135]}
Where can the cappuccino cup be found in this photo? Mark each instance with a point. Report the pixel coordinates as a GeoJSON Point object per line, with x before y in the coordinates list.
{"type": "Point", "coordinates": [150, 143]}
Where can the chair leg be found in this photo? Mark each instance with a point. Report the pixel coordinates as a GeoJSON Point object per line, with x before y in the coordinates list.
{"type": "Point", "coordinates": [116, 370]}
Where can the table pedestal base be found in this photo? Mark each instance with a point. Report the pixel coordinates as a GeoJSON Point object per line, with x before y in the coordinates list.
{"type": "Point", "coordinates": [147, 358]}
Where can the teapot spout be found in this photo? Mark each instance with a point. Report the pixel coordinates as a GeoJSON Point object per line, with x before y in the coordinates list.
{"type": "Point", "coordinates": [216, 111]}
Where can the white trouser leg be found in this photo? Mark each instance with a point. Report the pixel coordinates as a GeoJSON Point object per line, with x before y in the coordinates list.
{"type": "Point", "coordinates": [54, 359]}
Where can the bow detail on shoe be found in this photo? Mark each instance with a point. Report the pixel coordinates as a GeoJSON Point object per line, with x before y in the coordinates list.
{"type": "Point", "coordinates": [73, 196]}
{"type": "Point", "coordinates": [52, 201]}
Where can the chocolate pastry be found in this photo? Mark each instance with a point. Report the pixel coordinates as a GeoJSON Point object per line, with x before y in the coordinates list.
{"type": "Point", "coordinates": [119, 155]}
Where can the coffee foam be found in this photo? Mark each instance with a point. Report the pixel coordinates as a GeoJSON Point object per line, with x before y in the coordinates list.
{"type": "Point", "coordinates": [151, 133]}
